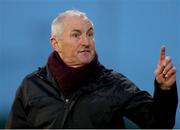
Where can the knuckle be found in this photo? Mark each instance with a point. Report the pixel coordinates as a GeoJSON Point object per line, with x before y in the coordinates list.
{"type": "Point", "coordinates": [174, 69]}
{"type": "Point", "coordinates": [168, 58]}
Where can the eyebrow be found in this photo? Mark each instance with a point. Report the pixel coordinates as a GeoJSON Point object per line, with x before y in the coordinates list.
{"type": "Point", "coordinates": [90, 29]}
{"type": "Point", "coordinates": [79, 31]}
{"type": "Point", "coordinates": [76, 30]}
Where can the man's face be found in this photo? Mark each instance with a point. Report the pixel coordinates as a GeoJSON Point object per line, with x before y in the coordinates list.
{"type": "Point", "coordinates": [76, 43]}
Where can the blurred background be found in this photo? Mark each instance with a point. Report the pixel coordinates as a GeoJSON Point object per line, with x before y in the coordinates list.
{"type": "Point", "coordinates": [128, 35]}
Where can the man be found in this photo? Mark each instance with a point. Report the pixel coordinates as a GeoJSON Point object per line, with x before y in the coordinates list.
{"type": "Point", "coordinates": [75, 91]}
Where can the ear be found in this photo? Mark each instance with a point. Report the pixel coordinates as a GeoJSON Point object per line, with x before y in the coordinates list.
{"type": "Point", "coordinates": [54, 43]}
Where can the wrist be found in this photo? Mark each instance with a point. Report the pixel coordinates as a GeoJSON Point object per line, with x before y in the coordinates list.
{"type": "Point", "coordinates": [164, 88]}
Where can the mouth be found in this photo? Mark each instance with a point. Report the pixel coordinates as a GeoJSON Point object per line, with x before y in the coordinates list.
{"type": "Point", "coordinates": [84, 51]}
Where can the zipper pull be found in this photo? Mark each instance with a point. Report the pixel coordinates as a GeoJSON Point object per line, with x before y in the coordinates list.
{"type": "Point", "coordinates": [66, 104]}
{"type": "Point", "coordinates": [67, 100]}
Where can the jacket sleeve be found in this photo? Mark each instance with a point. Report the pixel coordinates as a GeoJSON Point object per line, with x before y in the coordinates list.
{"type": "Point", "coordinates": [153, 112]}
{"type": "Point", "coordinates": [17, 117]}
{"type": "Point", "coordinates": [165, 103]}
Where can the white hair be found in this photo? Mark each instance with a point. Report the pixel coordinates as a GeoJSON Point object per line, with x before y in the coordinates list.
{"type": "Point", "coordinates": [56, 26]}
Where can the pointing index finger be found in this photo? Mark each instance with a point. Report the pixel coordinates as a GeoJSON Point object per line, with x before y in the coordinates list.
{"type": "Point", "coordinates": [162, 55]}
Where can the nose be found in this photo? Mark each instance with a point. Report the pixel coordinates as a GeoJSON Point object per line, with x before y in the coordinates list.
{"type": "Point", "coordinates": [85, 40]}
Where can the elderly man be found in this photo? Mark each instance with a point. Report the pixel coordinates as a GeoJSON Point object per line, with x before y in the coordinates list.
{"type": "Point", "coordinates": [75, 91]}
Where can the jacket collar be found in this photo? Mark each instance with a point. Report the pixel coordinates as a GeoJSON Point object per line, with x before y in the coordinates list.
{"type": "Point", "coordinates": [89, 86]}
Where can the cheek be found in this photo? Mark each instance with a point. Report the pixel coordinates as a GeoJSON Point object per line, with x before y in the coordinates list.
{"type": "Point", "coordinates": [92, 44]}
{"type": "Point", "coordinates": [69, 50]}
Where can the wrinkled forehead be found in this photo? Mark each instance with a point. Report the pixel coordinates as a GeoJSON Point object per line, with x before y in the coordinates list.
{"type": "Point", "coordinates": [73, 22]}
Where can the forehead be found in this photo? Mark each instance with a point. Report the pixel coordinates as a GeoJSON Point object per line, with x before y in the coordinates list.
{"type": "Point", "coordinates": [76, 22]}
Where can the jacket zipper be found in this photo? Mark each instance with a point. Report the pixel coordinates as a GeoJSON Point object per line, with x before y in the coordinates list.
{"type": "Point", "coordinates": [66, 112]}
{"type": "Point", "coordinates": [69, 103]}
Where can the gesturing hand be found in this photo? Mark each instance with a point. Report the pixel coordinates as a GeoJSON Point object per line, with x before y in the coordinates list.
{"type": "Point", "coordinates": [165, 73]}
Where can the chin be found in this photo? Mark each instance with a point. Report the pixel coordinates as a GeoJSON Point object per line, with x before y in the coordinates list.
{"type": "Point", "coordinates": [86, 60]}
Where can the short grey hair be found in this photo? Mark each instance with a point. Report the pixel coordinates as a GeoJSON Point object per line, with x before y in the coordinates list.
{"type": "Point", "coordinates": [56, 26]}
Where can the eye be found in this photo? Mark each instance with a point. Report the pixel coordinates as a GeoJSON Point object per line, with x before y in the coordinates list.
{"type": "Point", "coordinates": [90, 34]}
{"type": "Point", "coordinates": [75, 35]}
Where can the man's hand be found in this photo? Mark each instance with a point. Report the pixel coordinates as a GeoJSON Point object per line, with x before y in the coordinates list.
{"type": "Point", "coordinates": [165, 73]}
